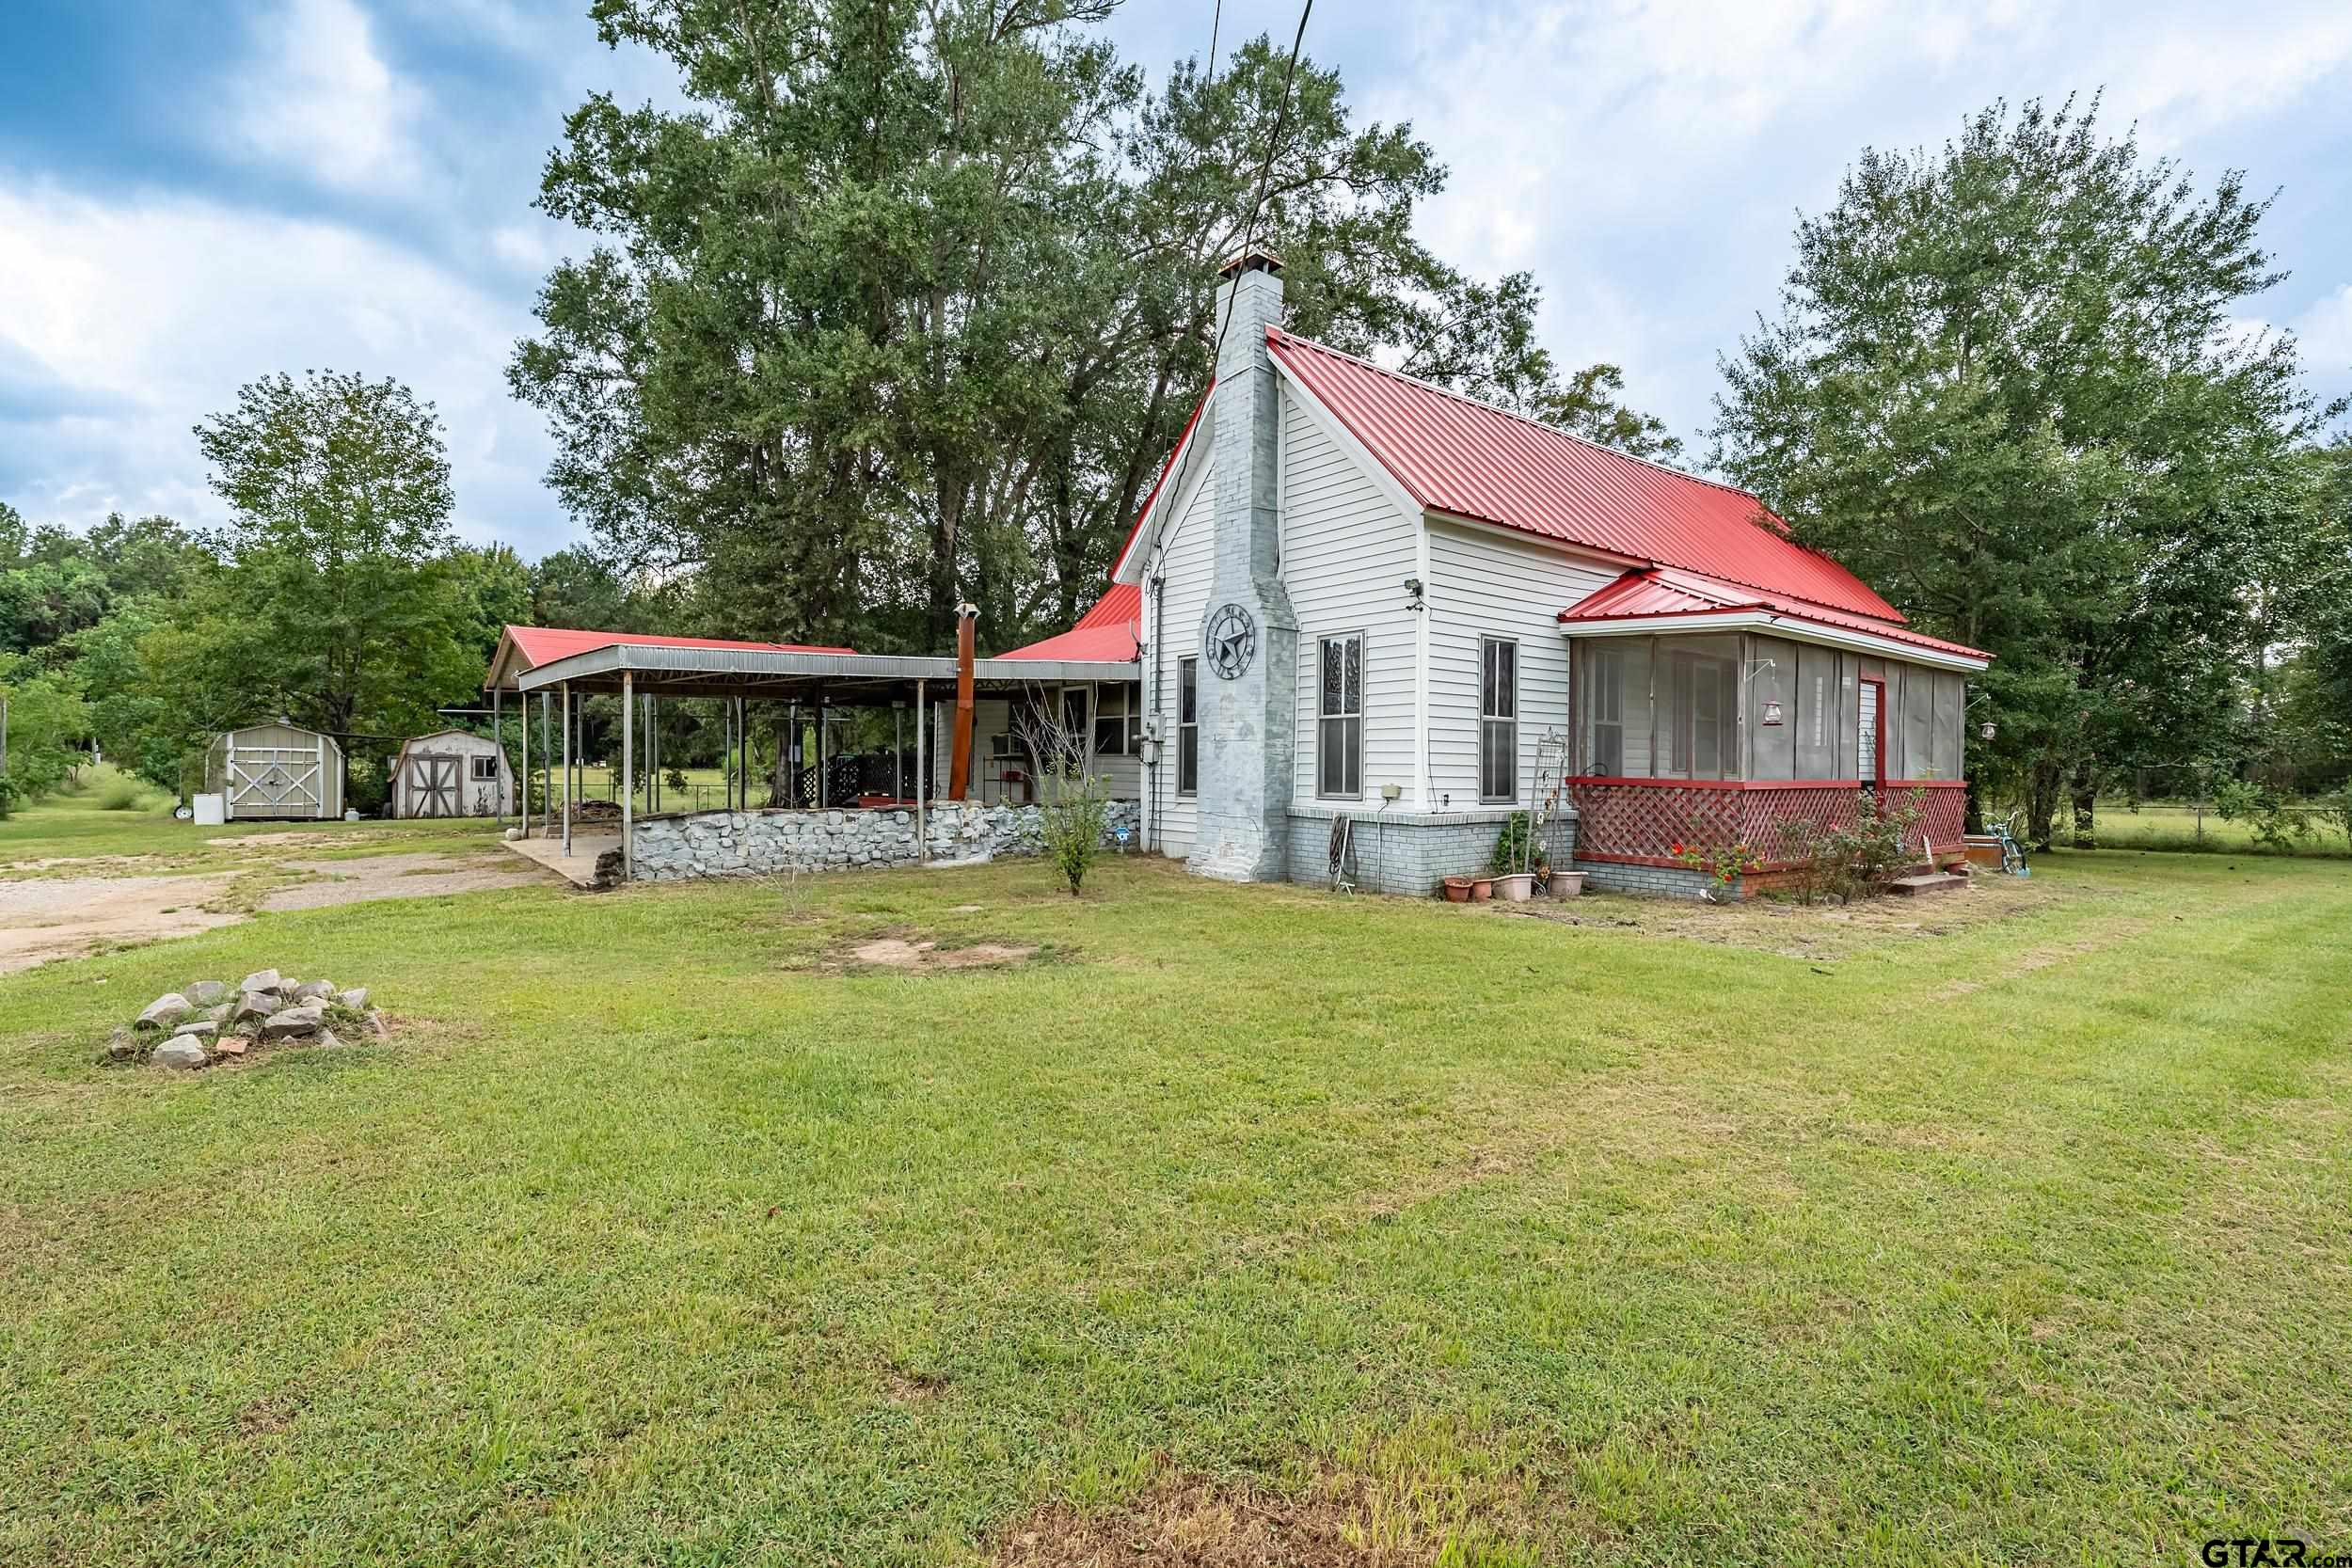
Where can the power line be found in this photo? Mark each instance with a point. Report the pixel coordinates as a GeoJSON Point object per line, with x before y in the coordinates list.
{"type": "Point", "coordinates": [1265, 166]}
{"type": "Point", "coordinates": [1216, 21]}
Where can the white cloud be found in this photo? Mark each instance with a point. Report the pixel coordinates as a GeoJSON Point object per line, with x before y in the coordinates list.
{"type": "Point", "coordinates": [1645, 158]}
{"type": "Point", "coordinates": [144, 316]}
{"type": "Point", "coordinates": [319, 99]}
{"type": "Point", "coordinates": [2325, 332]}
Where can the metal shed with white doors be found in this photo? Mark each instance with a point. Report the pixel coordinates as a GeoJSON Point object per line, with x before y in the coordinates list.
{"type": "Point", "coordinates": [452, 773]}
{"type": "Point", "coordinates": [281, 771]}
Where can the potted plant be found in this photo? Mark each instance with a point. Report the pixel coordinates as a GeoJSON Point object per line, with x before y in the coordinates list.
{"type": "Point", "coordinates": [1512, 865]}
{"type": "Point", "coordinates": [1457, 890]}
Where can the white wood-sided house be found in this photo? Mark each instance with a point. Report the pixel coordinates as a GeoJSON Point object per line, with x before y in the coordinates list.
{"type": "Point", "coordinates": [1353, 592]}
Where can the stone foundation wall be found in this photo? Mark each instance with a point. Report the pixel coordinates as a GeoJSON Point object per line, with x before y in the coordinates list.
{"type": "Point", "coordinates": [759, 843]}
{"type": "Point", "coordinates": [1409, 852]}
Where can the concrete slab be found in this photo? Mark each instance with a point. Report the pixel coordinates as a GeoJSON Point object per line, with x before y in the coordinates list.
{"type": "Point", "coordinates": [580, 866]}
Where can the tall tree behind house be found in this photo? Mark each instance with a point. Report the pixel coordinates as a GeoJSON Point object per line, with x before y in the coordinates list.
{"type": "Point", "coordinates": [909, 305]}
{"type": "Point", "coordinates": [2005, 386]}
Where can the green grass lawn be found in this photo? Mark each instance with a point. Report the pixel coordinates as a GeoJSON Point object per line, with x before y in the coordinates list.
{"type": "Point", "coordinates": [2155, 826]}
{"type": "Point", "coordinates": [665, 1231]}
{"type": "Point", "coordinates": [73, 835]}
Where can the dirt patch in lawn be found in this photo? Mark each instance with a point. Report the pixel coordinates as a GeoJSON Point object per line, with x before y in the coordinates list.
{"type": "Point", "coordinates": [921, 957]}
{"type": "Point", "coordinates": [1336, 1521]}
{"type": "Point", "coordinates": [1796, 931]}
{"type": "Point", "coordinates": [66, 917]}
{"type": "Point", "coordinates": [423, 876]}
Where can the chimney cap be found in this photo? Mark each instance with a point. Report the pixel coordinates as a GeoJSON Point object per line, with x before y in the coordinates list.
{"type": "Point", "coordinates": [1256, 258]}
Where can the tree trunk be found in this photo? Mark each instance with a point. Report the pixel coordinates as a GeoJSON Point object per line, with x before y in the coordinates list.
{"type": "Point", "coordinates": [2042, 804]}
{"type": "Point", "coordinates": [2086, 798]}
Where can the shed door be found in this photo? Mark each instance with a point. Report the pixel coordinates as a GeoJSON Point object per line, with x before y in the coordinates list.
{"type": "Point", "coordinates": [433, 783]}
{"type": "Point", "coordinates": [276, 781]}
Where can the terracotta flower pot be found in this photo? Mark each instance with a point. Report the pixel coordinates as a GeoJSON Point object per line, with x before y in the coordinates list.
{"type": "Point", "coordinates": [1482, 889]}
{"type": "Point", "coordinates": [1457, 890]}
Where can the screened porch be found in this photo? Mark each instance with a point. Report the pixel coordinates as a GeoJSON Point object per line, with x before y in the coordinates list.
{"type": "Point", "coordinates": [1714, 738]}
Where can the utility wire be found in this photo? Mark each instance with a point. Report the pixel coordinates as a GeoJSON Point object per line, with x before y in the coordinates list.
{"type": "Point", "coordinates": [1266, 165]}
{"type": "Point", "coordinates": [1216, 21]}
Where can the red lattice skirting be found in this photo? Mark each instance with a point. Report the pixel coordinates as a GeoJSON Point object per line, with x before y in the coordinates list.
{"type": "Point", "coordinates": [1639, 821]}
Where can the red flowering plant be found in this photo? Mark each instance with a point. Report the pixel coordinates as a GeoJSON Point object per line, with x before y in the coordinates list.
{"type": "Point", "coordinates": [1724, 866]}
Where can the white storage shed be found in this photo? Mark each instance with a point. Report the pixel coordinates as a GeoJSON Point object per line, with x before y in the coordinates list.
{"type": "Point", "coordinates": [452, 773]}
{"type": "Point", "coordinates": [276, 771]}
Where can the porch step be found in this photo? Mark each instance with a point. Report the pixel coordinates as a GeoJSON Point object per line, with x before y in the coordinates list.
{"type": "Point", "coordinates": [1926, 881]}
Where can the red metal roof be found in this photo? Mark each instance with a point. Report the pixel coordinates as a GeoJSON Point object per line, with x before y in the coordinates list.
{"type": "Point", "coordinates": [1665, 593]}
{"type": "Point", "coordinates": [1107, 631]}
{"type": "Point", "coordinates": [1456, 456]}
{"type": "Point", "coordinates": [543, 644]}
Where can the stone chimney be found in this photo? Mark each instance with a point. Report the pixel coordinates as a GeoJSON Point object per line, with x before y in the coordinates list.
{"type": "Point", "coordinates": [1249, 640]}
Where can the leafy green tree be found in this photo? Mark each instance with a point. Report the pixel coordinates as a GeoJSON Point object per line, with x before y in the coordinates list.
{"type": "Point", "coordinates": [909, 306]}
{"type": "Point", "coordinates": [348, 614]}
{"type": "Point", "coordinates": [47, 728]}
{"type": "Point", "coordinates": [2005, 386]}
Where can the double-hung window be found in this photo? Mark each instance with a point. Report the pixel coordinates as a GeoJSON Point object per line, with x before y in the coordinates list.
{"type": "Point", "coordinates": [1187, 726]}
{"type": "Point", "coordinates": [1339, 717]}
{"type": "Point", "coordinates": [1498, 720]}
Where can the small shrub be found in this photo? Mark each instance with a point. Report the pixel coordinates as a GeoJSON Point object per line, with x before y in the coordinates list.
{"type": "Point", "coordinates": [1073, 810]}
{"type": "Point", "coordinates": [121, 792]}
{"type": "Point", "coordinates": [10, 796]}
{"type": "Point", "coordinates": [1726, 863]}
{"type": "Point", "coordinates": [1512, 848]}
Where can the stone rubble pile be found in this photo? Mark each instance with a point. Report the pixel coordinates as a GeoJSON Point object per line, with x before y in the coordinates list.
{"type": "Point", "coordinates": [212, 1021]}
{"type": "Point", "coordinates": [737, 843]}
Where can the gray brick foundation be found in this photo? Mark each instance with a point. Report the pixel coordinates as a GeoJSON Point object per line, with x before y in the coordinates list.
{"type": "Point", "coordinates": [1665, 882]}
{"type": "Point", "coordinates": [1409, 852]}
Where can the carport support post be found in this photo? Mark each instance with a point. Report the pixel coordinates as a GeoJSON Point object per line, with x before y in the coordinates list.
{"type": "Point", "coordinates": [922, 772]}
{"type": "Point", "coordinates": [823, 792]}
{"type": "Point", "coordinates": [524, 777]}
{"type": "Point", "coordinates": [899, 750]}
{"type": "Point", "coordinates": [567, 770]}
{"type": "Point", "coordinates": [498, 728]}
{"type": "Point", "coordinates": [628, 776]}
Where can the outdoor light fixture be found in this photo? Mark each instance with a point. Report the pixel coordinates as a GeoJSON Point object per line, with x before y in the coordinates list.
{"type": "Point", "coordinates": [1413, 600]}
{"type": "Point", "coordinates": [1772, 712]}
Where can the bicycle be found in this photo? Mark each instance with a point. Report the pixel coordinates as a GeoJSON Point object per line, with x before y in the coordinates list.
{"type": "Point", "coordinates": [2012, 851]}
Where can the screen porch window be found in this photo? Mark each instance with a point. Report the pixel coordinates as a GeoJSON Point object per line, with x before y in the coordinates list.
{"type": "Point", "coordinates": [1702, 710]}
{"type": "Point", "coordinates": [1498, 720]}
{"type": "Point", "coordinates": [1606, 751]}
{"type": "Point", "coordinates": [1187, 726]}
{"type": "Point", "coordinates": [1115, 722]}
{"type": "Point", "coordinates": [1339, 717]}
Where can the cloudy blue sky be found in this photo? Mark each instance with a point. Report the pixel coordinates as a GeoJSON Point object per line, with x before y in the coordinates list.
{"type": "Point", "coordinates": [192, 195]}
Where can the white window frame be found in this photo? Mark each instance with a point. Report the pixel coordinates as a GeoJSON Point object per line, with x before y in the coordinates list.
{"type": "Point", "coordinates": [1344, 717]}
{"type": "Point", "coordinates": [1490, 719]}
{"type": "Point", "coordinates": [1188, 681]}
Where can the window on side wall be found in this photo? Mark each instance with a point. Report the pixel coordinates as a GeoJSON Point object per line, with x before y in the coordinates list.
{"type": "Point", "coordinates": [1498, 720]}
{"type": "Point", "coordinates": [1187, 726]}
{"type": "Point", "coordinates": [1340, 716]}
{"type": "Point", "coordinates": [486, 769]}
